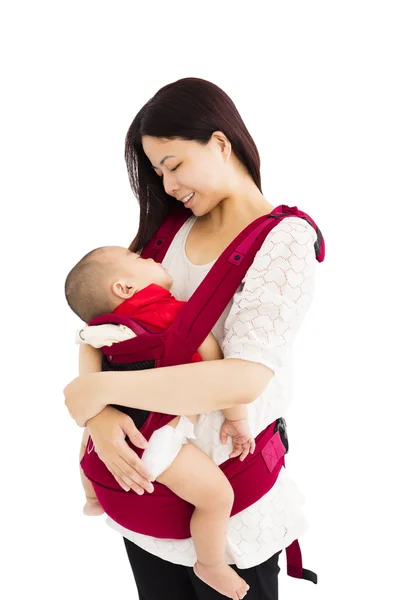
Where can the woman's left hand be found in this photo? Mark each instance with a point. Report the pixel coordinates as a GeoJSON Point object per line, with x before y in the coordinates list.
{"type": "Point", "coordinates": [82, 398]}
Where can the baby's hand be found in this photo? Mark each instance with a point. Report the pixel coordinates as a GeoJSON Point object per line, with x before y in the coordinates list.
{"type": "Point", "coordinates": [242, 440]}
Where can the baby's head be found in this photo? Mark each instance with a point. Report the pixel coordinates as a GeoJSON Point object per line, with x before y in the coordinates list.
{"type": "Point", "coordinates": [106, 277]}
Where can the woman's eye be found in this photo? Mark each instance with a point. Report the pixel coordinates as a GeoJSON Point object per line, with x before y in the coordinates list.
{"type": "Point", "coordinates": [162, 176]}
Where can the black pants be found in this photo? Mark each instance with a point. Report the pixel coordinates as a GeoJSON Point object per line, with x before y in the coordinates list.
{"type": "Point", "coordinates": [158, 579]}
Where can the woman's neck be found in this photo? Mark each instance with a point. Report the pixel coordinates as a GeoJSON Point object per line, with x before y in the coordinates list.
{"type": "Point", "coordinates": [236, 211]}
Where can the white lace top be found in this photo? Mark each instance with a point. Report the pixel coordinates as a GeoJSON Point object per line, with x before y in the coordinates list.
{"type": "Point", "coordinates": [259, 324]}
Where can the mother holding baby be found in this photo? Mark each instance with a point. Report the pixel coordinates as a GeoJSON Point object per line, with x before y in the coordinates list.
{"type": "Point", "coordinates": [189, 141]}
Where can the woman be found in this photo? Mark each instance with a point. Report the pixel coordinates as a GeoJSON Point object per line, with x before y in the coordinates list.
{"type": "Point", "coordinates": [189, 144]}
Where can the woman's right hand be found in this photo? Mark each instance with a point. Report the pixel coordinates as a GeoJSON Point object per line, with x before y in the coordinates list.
{"type": "Point", "coordinates": [108, 430]}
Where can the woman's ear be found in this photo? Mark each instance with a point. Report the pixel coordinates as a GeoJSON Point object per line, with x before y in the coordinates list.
{"type": "Point", "coordinates": [223, 143]}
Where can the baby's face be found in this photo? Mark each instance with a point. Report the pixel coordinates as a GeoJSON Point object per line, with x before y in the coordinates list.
{"type": "Point", "coordinates": [143, 271]}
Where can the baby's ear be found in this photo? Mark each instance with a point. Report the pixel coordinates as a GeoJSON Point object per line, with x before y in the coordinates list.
{"type": "Point", "coordinates": [124, 289]}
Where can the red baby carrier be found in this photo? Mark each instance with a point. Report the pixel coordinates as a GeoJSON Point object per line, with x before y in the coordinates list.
{"type": "Point", "coordinates": [161, 513]}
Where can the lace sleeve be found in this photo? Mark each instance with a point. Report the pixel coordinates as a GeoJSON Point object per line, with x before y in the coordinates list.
{"type": "Point", "coordinates": [276, 294]}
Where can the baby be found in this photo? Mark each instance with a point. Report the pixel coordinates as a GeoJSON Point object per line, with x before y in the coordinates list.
{"type": "Point", "coordinates": [114, 279]}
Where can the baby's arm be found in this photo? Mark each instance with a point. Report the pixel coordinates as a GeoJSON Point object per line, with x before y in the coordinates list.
{"type": "Point", "coordinates": [235, 425]}
{"type": "Point", "coordinates": [211, 350]}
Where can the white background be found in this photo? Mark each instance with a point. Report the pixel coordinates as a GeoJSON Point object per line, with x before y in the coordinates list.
{"type": "Point", "coordinates": [317, 84]}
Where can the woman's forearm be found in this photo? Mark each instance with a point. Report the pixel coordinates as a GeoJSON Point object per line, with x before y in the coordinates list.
{"type": "Point", "coordinates": [184, 389]}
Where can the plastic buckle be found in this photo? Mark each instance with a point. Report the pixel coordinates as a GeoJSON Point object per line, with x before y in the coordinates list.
{"type": "Point", "coordinates": [282, 428]}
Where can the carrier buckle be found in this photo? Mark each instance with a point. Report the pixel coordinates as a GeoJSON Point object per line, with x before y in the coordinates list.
{"type": "Point", "coordinates": [282, 428]}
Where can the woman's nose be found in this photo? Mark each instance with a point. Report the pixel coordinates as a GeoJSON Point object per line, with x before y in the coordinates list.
{"type": "Point", "coordinates": [170, 186]}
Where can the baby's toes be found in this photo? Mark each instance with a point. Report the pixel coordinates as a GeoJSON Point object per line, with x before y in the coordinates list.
{"type": "Point", "coordinates": [242, 591]}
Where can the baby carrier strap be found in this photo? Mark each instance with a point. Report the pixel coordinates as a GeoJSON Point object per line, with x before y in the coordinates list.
{"type": "Point", "coordinates": [319, 244]}
{"type": "Point", "coordinates": [178, 343]}
{"type": "Point", "coordinates": [200, 313]}
{"type": "Point", "coordinates": [157, 247]}
{"type": "Point", "coordinates": [203, 309]}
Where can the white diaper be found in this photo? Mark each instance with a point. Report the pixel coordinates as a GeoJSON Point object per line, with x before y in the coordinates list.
{"type": "Point", "coordinates": [165, 444]}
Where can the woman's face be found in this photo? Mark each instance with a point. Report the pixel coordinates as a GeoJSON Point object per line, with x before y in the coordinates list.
{"type": "Point", "coordinates": [186, 166]}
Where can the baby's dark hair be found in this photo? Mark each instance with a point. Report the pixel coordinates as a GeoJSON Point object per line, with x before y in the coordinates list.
{"type": "Point", "coordinates": [85, 286]}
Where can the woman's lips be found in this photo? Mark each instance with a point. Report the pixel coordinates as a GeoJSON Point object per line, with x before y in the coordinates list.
{"type": "Point", "coordinates": [190, 202]}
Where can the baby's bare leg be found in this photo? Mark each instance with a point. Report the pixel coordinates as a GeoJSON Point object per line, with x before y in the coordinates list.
{"type": "Point", "coordinates": [194, 477]}
{"type": "Point", "coordinates": [92, 507]}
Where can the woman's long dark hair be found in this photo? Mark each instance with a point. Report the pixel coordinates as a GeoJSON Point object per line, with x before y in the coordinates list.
{"type": "Point", "coordinates": [188, 109]}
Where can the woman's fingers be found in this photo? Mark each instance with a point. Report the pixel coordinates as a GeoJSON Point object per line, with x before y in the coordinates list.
{"type": "Point", "coordinates": [114, 472]}
{"type": "Point", "coordinates": [107, 431]}
{"type": "Point", "coordinates": [132, 470]}
{"type": "Point", "coordinates": [134, 479]}
{"type": "Point", "coordinates": [128, 483]}
{"type": "Point", "coordinates": [131, 463]}
{"type": "Point", "coordinates": [121, 482]}
{"type": "Point", "coordinates": [134, 435]}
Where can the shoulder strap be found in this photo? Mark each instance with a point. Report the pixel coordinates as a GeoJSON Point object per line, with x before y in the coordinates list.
{"type": "Point", "coordinates": [205, 306]}
{"type": "Point", "coordinates": [209, 300]}
{"type": "Point", "coordinates": [157, 247]}
{"type": "Point", "coordinates": [319, 244]}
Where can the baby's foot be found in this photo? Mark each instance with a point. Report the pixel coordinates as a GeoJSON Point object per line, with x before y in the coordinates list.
{"type": "Point", "coordinates": [223, 579]}
{"type": "Point", "coordinates": [92, 507]}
